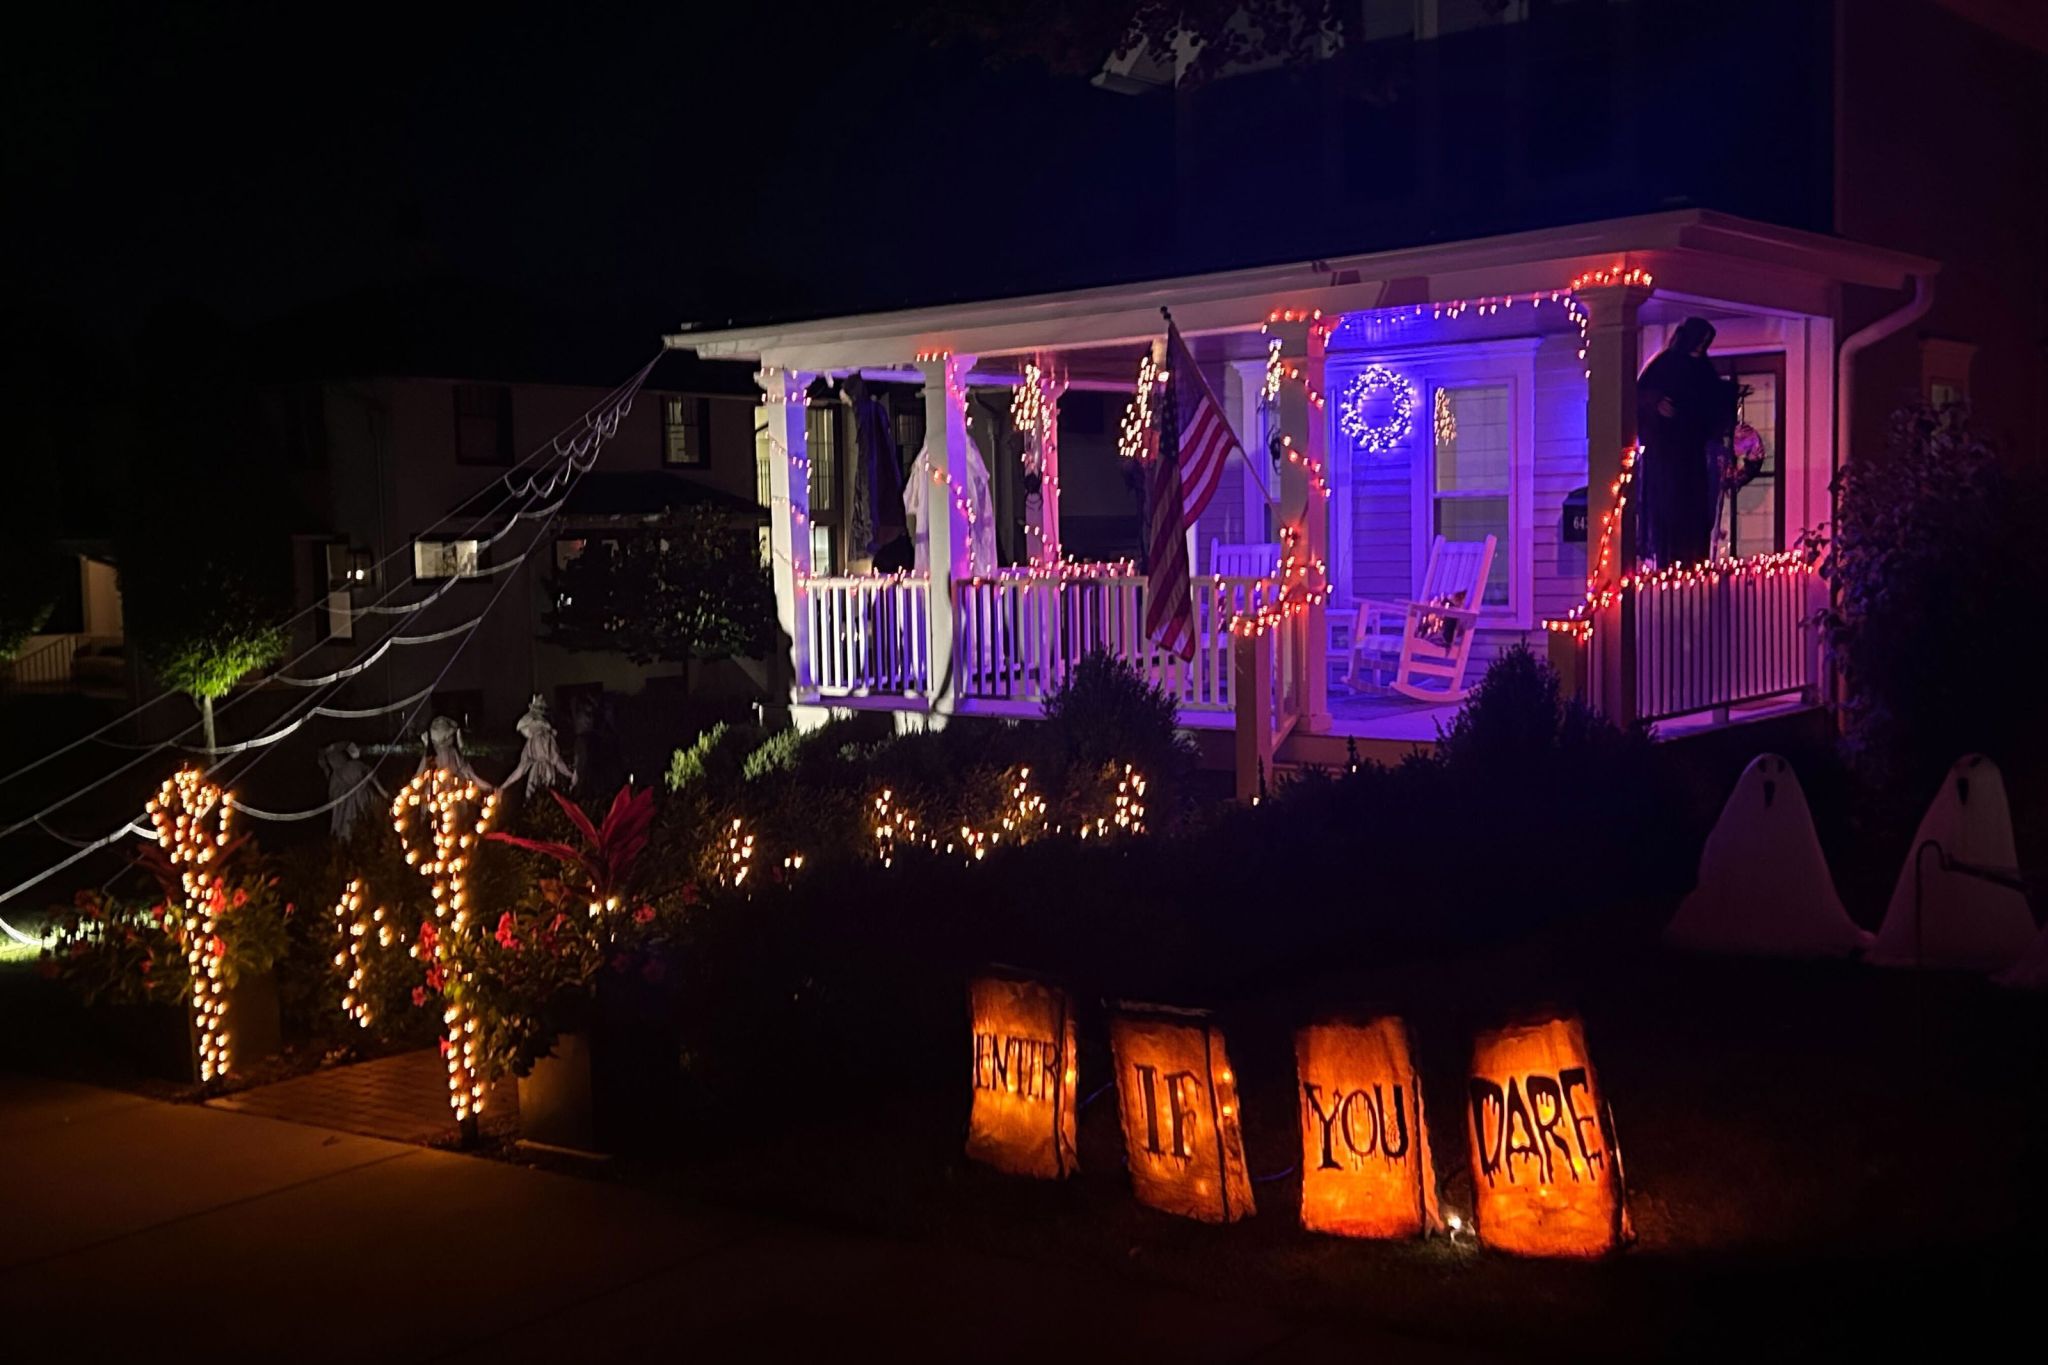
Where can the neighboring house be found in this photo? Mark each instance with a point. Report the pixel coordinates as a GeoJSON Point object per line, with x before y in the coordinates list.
{"type": "Point", "coordinates": [1453, 373]}
{"type": "Point", "coordinates": [391, 455]}
{"type": "Point", "coordinates": [82, 646]}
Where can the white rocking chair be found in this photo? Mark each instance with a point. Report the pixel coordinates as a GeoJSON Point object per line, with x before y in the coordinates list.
{"type": "Point", "coordinates": [1437, 628]}
{"type": "Point", "coordinates": [1243, 561]}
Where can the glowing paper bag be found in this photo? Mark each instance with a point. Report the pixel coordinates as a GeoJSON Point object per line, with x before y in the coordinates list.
{"type": "Point", "coordinates": [1545, 1169]}
{"type": "Point", "coordinates": [1179, 1102]}
{"type": "Point", "coordinates": [1365, 1162]}
{"type": "Point", "coordinates": [1024, 1073]}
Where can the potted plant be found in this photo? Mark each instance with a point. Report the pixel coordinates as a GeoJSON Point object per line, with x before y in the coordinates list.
{"type": "Point", "coordinates": [556, 991]}
{"type": "Point", "coordinates": [125, 958]}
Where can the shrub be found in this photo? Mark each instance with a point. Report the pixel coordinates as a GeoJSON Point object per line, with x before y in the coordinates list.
{"type": "Point", "coordinates": [776, 754]}
{"type": "Point", "coordinates": [696, 763]}
{"type": "Point", "coordinates": [1105, 716]}
{"type": "Point", "coordinates": [1931, 558]}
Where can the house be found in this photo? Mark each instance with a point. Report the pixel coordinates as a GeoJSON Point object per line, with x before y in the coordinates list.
{"type": "Point", "coordinates": [1423, 382]}
{"type": "Point", "coordinates": [387, 455]}
{"type": "Point", "coordinates": [80, 646]}
{"type": "Point", "coordinates": [1462, 390]}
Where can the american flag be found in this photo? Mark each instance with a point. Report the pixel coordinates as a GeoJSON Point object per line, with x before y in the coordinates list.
{"type": "Point", "coordinates": [1194, 443]}
{"type": "Point", "coordinates": [1206, 440]}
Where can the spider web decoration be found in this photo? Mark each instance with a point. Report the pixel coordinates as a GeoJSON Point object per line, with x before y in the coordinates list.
{"type": "Point", "coordinates": [1377, 384]}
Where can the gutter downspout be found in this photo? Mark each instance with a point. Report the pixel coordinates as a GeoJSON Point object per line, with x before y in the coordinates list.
{"type": "Point", "coordinates": [1845, 359]}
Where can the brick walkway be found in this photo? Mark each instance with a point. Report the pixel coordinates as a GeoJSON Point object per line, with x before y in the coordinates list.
{"type": "Point", "coordinates": [401, 1099]}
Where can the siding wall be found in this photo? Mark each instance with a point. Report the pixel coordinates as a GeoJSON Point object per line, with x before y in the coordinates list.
{"type": "Point", "coordinates": [1383, 493]}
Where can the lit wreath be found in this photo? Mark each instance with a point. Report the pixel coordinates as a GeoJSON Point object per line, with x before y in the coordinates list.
{"type": "Point", "coordinates": [1384, 437]}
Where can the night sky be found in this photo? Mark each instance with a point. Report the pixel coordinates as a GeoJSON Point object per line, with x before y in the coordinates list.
{"type": "Point", "coordinates": [691, 162]}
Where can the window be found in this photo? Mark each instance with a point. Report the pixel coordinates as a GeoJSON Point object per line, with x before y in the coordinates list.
{"type": "Point", "coordinates": [685, 430]}
{"type": "Point", "coordinates": [764, 478]}
{"type": "Point", "coordinates": [1472, 475]}
{"type": "Point", "coordinates": [821, 551]}
{"type": "Point", "coordinates": [445, 558]}
{"type": "Point", "coordinates": [821, 445]}
{"type": "Point", "coordinates": [1759, 508]}
{"type": "Point", "coordinates": [346, 568]}
{"type": "Point", "coordinates": [483, 424]}
{"type": "Point", "coordinates": [1945, 370]}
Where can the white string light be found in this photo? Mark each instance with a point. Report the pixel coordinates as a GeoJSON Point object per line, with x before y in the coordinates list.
{"type": "Point", "coordinates": [619, 398]}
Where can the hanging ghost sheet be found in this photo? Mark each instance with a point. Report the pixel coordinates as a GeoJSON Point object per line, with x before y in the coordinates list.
{"type": "Point", "coordinates": [1764, 887]}
{"type": "Point", "coordinates": [1178, 1097]}
{"type": "Point", "coordinates": [1546, 1174]}
{"type": "Point", "coordinates": [1365, 1160]}
{"type": "Point", "coordinates": [1024, 1076]}
{"type": "Point", "coordinates": [1945, 916]}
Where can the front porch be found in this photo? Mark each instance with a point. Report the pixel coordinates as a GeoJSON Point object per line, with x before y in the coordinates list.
{"type": "Point", "coordinates": [1482, 389]}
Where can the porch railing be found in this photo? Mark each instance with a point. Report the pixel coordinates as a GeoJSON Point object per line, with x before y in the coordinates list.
{"type": "Point", "coordinates": [867, 635]}
{"type": "Point", "coordinates": [47, 661]}
{"type": "Point", "coordinates": [1017, 638]}
{"type": "Point", "coordinates": [1707, 641]}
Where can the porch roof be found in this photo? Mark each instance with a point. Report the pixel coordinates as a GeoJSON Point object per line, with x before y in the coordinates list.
{"type": "Point", "coordinates": [1692, 253]}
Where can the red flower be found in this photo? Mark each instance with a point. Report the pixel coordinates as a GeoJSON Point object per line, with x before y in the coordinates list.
{"type": "Point", "coordinates": [241, 898]}
{"type": "Point", "coordinates": [644, 915]}
{"type": "Point", "coordinates": [689, 893]}
{"type": "Point", "coordinates": [507, 936]}
{"type": "Point", "coordinates": [419, 995]}
{"type": "Point", "coordinates": [428, 935]}
{"type": "Point", "coordinates": [435, 977]}
{"type": "Point", "coordinates": [444, 1047]}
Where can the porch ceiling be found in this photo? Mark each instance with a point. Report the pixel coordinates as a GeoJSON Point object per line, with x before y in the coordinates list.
{"type": "Point", "coordinates": [1695, 255]}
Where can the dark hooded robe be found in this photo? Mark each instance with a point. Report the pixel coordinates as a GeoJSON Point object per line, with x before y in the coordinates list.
{"type": "Point", "coordinates": [1677, 475]}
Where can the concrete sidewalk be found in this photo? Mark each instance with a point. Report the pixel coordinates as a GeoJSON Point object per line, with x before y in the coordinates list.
{"type": "Point", "coordinates": [131, 1228]}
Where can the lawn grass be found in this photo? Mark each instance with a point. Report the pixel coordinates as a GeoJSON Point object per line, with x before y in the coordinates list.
{"type": "Point", "coordinates": [1817, 1155]}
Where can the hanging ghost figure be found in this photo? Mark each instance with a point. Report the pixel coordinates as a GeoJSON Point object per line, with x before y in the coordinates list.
{"type": "Point", "coordinates": [540, 761]}
{"type": "Point", "coordinates": [1956, 904]}
{"type": "Point", "coordinates": [349, 786]}
{"type": "Point", "coordinates": [443, 743]}
{"type": "Point", "coordinates": [978, 500]}
{"type": "Point", "coordinates": [1764, 887]}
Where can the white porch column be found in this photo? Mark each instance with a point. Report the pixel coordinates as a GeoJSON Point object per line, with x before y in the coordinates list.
{"type": "Point", "coordinates": [1305, 497]}
{"type": "Point", "coordinates": [789, 527]}
{"type": "Point", "coordinates": [1613, 361]}
{"type": "Point", "coordinates": [1048, 546]}
{"type": "Point", "coordinates": [946, 529]}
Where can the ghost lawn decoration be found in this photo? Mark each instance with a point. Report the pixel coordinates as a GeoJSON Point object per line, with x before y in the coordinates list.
{"type": "Point", "coordinates": [1178, 1097]}
{"type": "Point", "coordinates": [1764, 887]}
{"type": "Point", "coordinates": [2030, 973]}
{"type": "Point", "coordinates": [540, 761]}
{"type": "Point", "coordinates": [443, 744]}
{"type": "Point", "coordinates": [1954, 905]}
{"type": "Point", "coordinates": [350, 787]}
